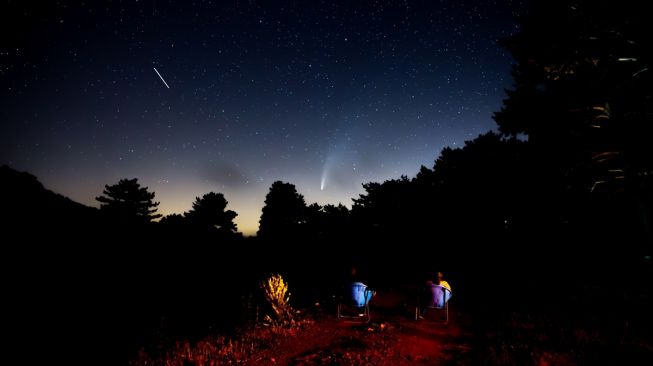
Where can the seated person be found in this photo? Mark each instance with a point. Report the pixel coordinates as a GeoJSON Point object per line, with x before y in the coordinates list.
{"type": "Point", "coordinates": [434, 294]}
{"type": "Point", "coordinates": [358, 292]}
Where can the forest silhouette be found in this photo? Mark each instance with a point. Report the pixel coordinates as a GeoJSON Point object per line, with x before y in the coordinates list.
{"type": "Point", "coordinates": [562, 193]}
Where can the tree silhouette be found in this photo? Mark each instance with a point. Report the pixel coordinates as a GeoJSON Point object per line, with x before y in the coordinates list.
{"type": "Point", "coordinates": [327, 221]}
{"type": "Point", "coordinates": [336, 218]}
{"type": "Point", "coordinates": [582, 95]}
{"type": "Point", "coordinates": [172, 220]}
{"type": "Point", "coordinates": [385, 206]}
{"type": "Point", "coordinates": [582, 90]}
{"type": "Point", "coordinates": [477, 190]}
{"type": "Point", "coordinates": [284, 213]}
{"type": "Point", "coordinates": [209, 212]}
{"type": "Point", "coordinates": [128, 202]}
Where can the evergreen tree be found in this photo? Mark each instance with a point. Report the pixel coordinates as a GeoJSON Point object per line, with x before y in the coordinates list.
{"type": "Point", "coordinates": [386, 208]}
{"type": "Point", "coordinates": [284, 213]}
{"type": "Point", "coordinates": [582, 91]}
{"type": "Point", "coordinates": [582, 95]}
{"type": "Point", "coordinates": [128, 202]}
{"type": "Point", "coordinates": [209, 212]}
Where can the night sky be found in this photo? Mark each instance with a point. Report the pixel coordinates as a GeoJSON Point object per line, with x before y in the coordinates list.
{"type": "Point", "coordinates": [323, 95]}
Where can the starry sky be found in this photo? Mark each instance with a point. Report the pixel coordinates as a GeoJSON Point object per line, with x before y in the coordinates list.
{"type": "Point", "coordinates": [325, 95]}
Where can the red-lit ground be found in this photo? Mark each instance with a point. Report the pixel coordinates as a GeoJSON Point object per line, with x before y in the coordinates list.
{"type": "Point", "coordinates": [391, 338]}
{"type": "Point", "coordinates": [394, 338]}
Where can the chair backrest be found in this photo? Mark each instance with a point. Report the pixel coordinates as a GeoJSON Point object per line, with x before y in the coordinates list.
{"type": "Point", "coordinates": [436, 296]}
{"type": "Point", "coordinates": [359, 294]}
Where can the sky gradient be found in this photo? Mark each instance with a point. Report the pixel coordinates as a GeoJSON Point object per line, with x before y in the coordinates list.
{"type": "Point", "coordinates": [323, 95]}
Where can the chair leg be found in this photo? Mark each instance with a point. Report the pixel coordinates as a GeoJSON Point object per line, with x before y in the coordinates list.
{"type": "Point", "coordinates": [426, 313]}
{"type": "Point", "coordinates": [365, 315]}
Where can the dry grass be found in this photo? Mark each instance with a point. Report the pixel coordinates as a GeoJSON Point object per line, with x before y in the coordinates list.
{"type": "Point", "coordinates": [242, 349]}
{"type": "Point", "coordinates": [566, 336]}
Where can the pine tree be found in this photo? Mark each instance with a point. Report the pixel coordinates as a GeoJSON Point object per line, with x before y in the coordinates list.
{"type": "Point", "coordinates": [128, 202]}
{"type": "Point", "coordinates": [209, 212]}
{"type": "Point", "coordinates": [284, 213]}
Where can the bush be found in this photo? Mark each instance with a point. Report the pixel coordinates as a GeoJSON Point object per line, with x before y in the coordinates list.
{"type": "Point", "coordinates": [276, 293]}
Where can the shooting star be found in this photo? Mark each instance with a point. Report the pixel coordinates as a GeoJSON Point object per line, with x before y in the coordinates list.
{"type": "Point", "coordinates": [164, 82]}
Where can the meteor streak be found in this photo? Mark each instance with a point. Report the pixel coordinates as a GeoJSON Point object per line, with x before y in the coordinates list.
{"type": "Point", "coordinates": [164, 82]}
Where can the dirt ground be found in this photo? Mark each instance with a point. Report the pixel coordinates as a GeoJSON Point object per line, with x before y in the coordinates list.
{"type": "Point", "coordinates": [392, 337]}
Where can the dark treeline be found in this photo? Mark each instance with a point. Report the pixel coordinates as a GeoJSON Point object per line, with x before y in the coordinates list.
{"type": "Point", "coordinates": [562, 193]}
{"type": "Point", "coordinates": [83, 282]}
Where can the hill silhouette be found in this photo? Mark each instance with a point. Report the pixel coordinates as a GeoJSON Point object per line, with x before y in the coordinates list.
{"type": "Point", "coordinates": [47, 273]}
{"type": "Point", "coordinates": [76, 285]}
{"type": "Point", "coordinates": [79, 285]}
{"type": "Point", "coordinates": [27, 202]}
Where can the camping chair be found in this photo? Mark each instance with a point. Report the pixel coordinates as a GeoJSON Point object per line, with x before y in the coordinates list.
{"type": "Point", "coordinates": [434, 297]}
{"type": "Point", "coordinates": [355, 303]}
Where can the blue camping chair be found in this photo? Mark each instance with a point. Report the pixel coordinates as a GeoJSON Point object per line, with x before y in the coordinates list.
{"type": "Point", "coordinates": [434, 297]}
{"type": "Point", "coordinates": [355, 303]}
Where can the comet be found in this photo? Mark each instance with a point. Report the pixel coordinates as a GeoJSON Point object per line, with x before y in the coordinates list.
{"type": "Point", "coordinates": [161, 77]}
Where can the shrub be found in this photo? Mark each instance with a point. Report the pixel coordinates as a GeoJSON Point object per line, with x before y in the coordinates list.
{"type": "Point", "coordinates": [276, 293]}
